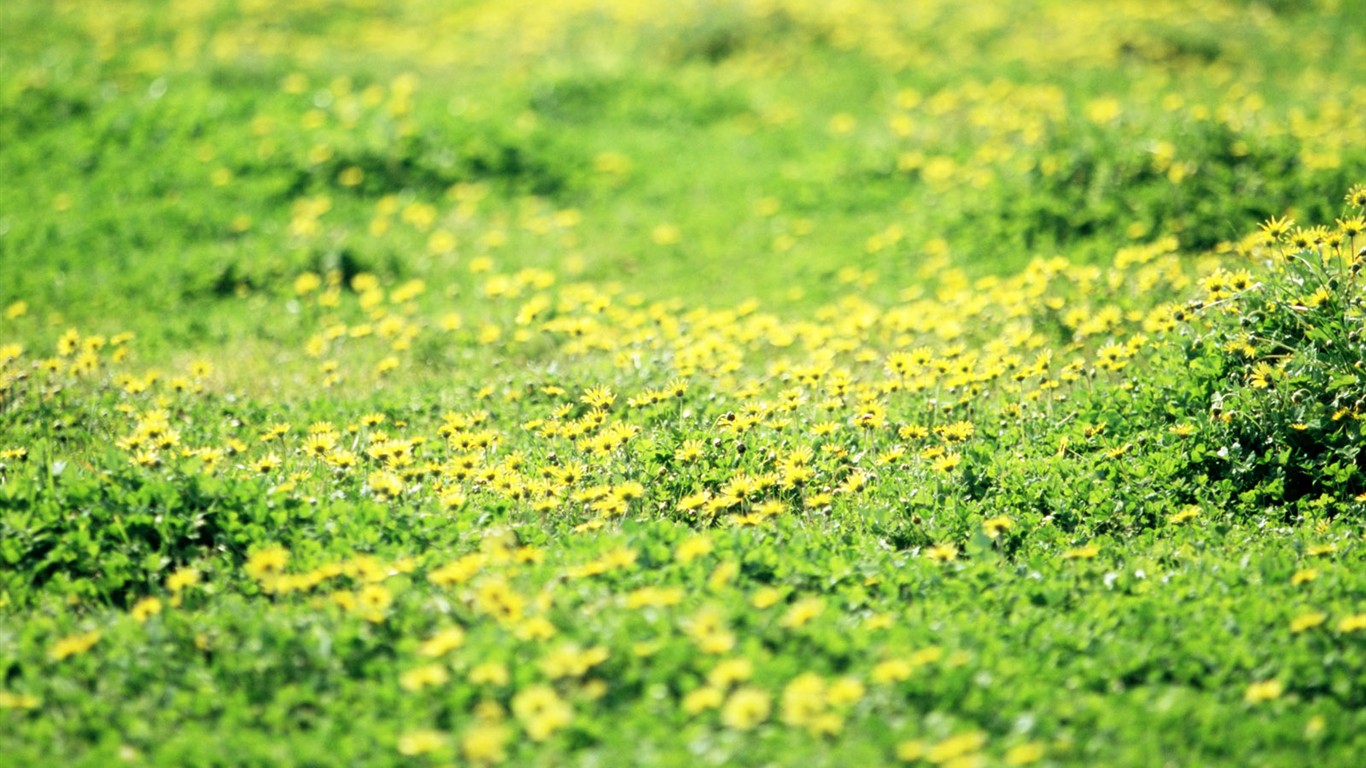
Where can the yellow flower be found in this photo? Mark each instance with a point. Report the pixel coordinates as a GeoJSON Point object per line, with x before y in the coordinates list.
{"type": "Point", "coordinates": [1266, 690]}
{"type": "Point", "coordinates": [1185, 514]}
{"type": "Point", "coordinates": [571, 661]}
{"type": "Point", "coordinates": [620, 557]}
{"type": "Point", "coordinates": [146, 459]}
{"type": "Point", "coordinates": [655, 597]}
{"type": "Point", "coordinates": [994, 526]}
{"type": "Point", "coordinates": [351, 176]}
{"type": "Point", "coordinates": [957, 746]}
{"type": "Point", "coordinates": [946, 462]}
{"type": "Point", "coordinates": [18, 700]}
{"type": "Point", "coordinates": [372, 602]}
{"type": "Point", "coordinates": [74, 645]}
{"type": "Point", "coordinates": [145, 608]}
{"type": "Point", "coordinates": [804, 699]}
{"type": "Point", "coordinates": [722, 575]}
{"type": "Point", "coordinates": [443, 642]}
{"type": "Point", "coordinates": [730, 671]}
{"type": "Point", "coordinates": [910, 750]}
{"type": "Point", "coordinates": [598, 398]}
{"type": "Point", "coordinates": [927, 655]}
{"type": "Point", "coordinates": [490, 673]}
{"type": "Point", "coordinates": [267, 562]}
{"type": "Point", "coordinates": [746, 708]}
{"type": "Point", "coordinates": [765, 597]}
{"type": "Point", "coordinates": [458, 571]}
{"type": "Point", "coordinates": [385, 485]}
{"type": "Point", "coordinates": [892, 671]}
{"type": "Point", "coordinates": [307, 283]}
{"type": "Point", "coordinates": [1354, 623]}
{"type": "Point", "coordinates": [319, 445]}
{"type": "Point", "coordinates": [266, 464]}
{"type": "Point", "coordinates": [420, 742]}
{"type": "Point", "coordinates": [425, 676]}
{"type": "Point", "coordinates": [497, 599]}
{"type": "Point", "coordinates": [541, 711]}
{"type": "Point", "coordinates": [709, 630]}
{"type": "Point", "coordinates": [802, 612]}
{"type": "Point", "coordinates": [691, 450]}
{"type": "Point", "coordinates": [68, 343]}
{"type": "Point", "coordinates": [665, 234]}
{"type": "Point", "coordinates": [845, 691]}
{"type": "Point", "coordinates": [1307, 621]}
{"type": "Point", "coordinates": [1024, 754]}
{"type": "Point", "coordinates": [1275, 229]}
{"type": "Point", "coordinates": [1087, 552]}
{"type": "Point", "coordinates": [942, 553]}
{"type": "Point", "coordinates": [182, 579]}
{"type": "Point", "coordinates": [703, 698]}
{"type": "Point", "coordinates": [817, 500]}
{"type": "Point", "coordinates": [878, 621]}
{"type": "Point", "coordinates": [485, 742]}
{"type": "Point", "coordinates": [535, 628]}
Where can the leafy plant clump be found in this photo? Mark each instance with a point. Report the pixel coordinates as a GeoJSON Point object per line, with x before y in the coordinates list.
{"type": "Point", "coordinates": [1283, 340]}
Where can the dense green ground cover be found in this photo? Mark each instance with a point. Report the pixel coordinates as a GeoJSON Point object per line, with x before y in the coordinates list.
{"type": "Point", "coordinates": [780, 382]}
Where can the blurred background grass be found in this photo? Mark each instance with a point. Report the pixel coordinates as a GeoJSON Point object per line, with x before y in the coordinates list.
{"type": "Point", "coordinates": [170, 167]}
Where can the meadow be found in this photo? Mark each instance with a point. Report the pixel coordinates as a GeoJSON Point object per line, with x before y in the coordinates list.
{"type": "Point", "coordinates": [716, 382]}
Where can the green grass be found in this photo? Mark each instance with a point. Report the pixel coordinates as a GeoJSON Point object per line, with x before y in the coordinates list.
{"type": "Point", "coordinates": [738, 383]}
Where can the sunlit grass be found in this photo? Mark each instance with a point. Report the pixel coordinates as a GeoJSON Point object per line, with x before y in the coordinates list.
{"type": "Point", "coordinates": [758, 383]}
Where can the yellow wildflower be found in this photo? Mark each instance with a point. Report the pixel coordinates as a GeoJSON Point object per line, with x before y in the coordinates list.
{"type": "Point", "coordinates": [1266, 690]}
{"type": "Point", "coordinates": [145, 608]}
{"type": "Point", "coordinates": [420, 742]}
{"type": "Point", "coordinates": [74, 645]}
{"type": "Point", "coordinates": [541, 712]}
{"type": "Point", "coordinates": [443, 642]}
{"type": "Point", "coordinates": [424, 676]}
{"type": "Point", "coordinates": [1307, 621]}
{"type": "Point", "coordinates": [746, 708]}
{"type": "Point", "coordinates": [485, 742]}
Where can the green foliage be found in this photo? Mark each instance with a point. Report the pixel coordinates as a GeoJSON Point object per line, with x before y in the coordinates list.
{"type": "Point", "coordinates": [755, 382]}
{"type": "Point", "coordinates": [1287, 352]}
